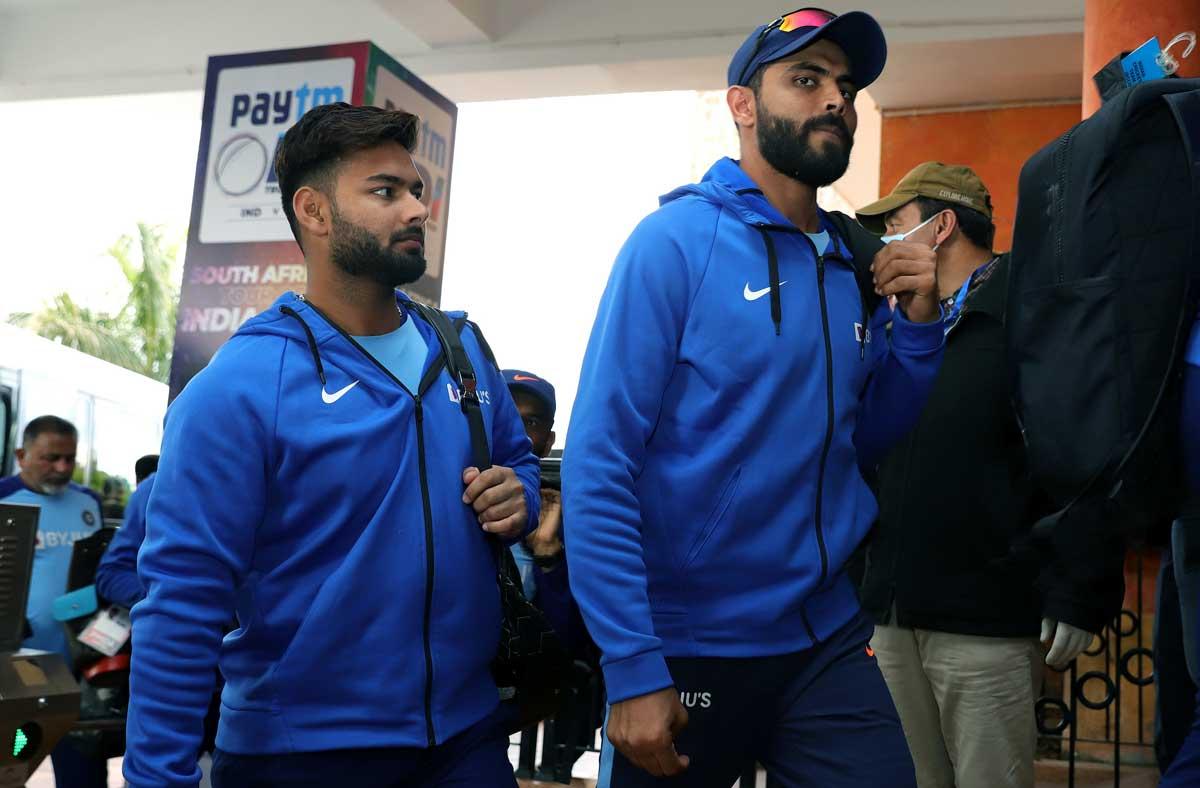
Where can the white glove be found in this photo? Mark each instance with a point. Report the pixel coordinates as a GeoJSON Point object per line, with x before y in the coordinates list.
{"type": "Point", "coordinates": [1069, 642]}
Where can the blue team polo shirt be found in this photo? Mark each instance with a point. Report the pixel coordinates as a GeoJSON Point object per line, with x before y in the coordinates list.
{"type": "Point", "coordinates": [65, 518]}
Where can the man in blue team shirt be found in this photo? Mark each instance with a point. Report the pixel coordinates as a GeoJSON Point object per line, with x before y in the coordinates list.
{"type": "Point", "coordinates": [68, 512]}
{"type": "Point", "coordinates": [729, 396]}
{"type": "Point", "coordinates": [542, 558]}
{"type": "Point", "coordinates": [316, 481]}
{"type": "Point", "coordinates": [535, 401]}
{"type": "Point", "coordinates": [116, 576]}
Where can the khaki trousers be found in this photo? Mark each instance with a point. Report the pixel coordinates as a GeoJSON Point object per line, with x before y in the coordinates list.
{"type": "Point", "coordinates": [966, 704]}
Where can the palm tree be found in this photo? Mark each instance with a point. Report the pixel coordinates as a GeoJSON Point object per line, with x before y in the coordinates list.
{"type": "Point", "coordinates": [94, 333]}
{"type": "Point", "coordinates": [141, 335]}
{"type": "Point", "coordinates": [153, 297]}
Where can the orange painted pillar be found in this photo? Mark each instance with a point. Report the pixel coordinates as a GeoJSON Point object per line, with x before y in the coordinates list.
{"type": "Point", "coordinates": [1114, 26]}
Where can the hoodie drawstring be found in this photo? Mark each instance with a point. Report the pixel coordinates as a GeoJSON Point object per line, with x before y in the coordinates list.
{"type": "Point", "coordinates": [773, 274]}
{"type": "Point", "coordinates": [312, 341]}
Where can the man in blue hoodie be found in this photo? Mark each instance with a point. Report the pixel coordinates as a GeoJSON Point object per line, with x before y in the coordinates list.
{"type": "Point", "coordinates": [116, 575]}
{"type": "Point", "coordinates": [316, 481]}
{"type": "Point", "coordinates": [734, 385]}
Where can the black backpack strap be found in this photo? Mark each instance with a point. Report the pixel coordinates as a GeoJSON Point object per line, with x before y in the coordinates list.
{"type": "Point", "coordinates": [863, 245]}
{"type": "Point", "coordinates": [458, 364]}
{"type": "Point", "coordinates": [483, 343]}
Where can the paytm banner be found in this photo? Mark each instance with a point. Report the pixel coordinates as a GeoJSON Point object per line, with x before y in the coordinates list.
{"type": "Point", "coordinates": [241, 254]}
{"type": "Point", "coordinates": [241, 196]}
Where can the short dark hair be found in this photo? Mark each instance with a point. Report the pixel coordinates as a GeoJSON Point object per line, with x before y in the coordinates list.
{"type": "Point", "coordinates": [978, 228]}
{"type": "Point", "coordinates": [311, 150]}
{"type": "Point", "coordinates": [756, 80]}
{"type": "Point", "coordinates": [145, 466]}
{"type": "Point", "coordinates": [47, 424]}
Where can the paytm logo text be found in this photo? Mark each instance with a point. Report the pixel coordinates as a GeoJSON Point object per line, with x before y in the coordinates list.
{"type": "Point", "coordinates": [281, 106]}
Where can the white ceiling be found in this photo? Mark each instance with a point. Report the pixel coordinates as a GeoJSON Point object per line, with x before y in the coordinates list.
{"type": "Point", "coordinates": [942, 52]}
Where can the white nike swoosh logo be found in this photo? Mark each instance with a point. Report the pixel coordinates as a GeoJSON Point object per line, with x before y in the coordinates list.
{"type": "Point", "coordinates": [754, 295]}
{"type": "Point", "coordinates": [329, 399]}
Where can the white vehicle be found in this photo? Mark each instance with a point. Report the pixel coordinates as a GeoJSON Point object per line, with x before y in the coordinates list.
{"type": "Point", "coordinates": [119, 413]}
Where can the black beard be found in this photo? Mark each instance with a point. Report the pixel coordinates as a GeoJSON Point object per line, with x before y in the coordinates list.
{"type": "Point", "coordinates": [358, 253]}
{"type": "Point", "coordinates": [787, 147]}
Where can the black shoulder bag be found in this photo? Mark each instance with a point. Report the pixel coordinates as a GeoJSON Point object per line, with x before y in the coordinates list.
{"type": "Point", "coordinates": [531, 667]}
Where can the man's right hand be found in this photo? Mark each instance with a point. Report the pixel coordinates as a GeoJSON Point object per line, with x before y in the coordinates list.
{"type": "Point", "coordinates": [547, 537]}
{"type": "Point", "coordinates": [644, 730]}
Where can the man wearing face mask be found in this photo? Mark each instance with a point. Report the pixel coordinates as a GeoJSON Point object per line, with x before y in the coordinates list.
{"type": "Point", "coordinates": [316, 481]}
{"type": "Point", "coordinates": [69, 512]}
{"type": "Point", "coordinates": [734, 384]}
{"type": "Point", "coordinates": [957, 624]}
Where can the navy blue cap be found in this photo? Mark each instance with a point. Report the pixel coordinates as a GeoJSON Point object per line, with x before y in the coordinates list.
{"type": "Point", "coordinates": [520, 380]}
{"type": "Point", "coordinates": [856, 32]}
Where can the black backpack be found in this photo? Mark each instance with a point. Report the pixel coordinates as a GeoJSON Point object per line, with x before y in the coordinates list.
{"type": "Point", "coordinates": [1102, 297]}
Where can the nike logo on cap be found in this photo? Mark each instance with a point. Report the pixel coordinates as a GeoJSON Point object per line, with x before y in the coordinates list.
{"type": "Point", "coordinates": [517, 378]}
{"type": "Point", "coordinates": [754, 295]}
{"type": "Point", "coordinates": [329, 399]}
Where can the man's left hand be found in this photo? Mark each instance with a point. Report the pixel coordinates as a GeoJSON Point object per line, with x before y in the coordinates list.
{"type": "Point", "coordinates": [498, 497]}
{"type": "Point", "coordinates": [1067, 644]}
{"type": "Point", "coordinates": [908, 271]}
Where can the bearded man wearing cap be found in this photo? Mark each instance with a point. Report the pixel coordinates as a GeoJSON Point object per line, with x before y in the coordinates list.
{"type": "Point", "coordinates": [735, 385]}
{"type": "Point", "coordinates": [957, 623]}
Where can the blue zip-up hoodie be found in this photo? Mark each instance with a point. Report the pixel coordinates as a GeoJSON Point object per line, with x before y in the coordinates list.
{"type": "Point", "coordinates": [711, 478]}
{"type": "Point", "coordinates": [116, 576]}
{"type": "Point", "coordinates": [304, 488]}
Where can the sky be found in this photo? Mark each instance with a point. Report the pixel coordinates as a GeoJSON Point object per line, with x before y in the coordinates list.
{"type": "Point", "coordinates": [544, 193]}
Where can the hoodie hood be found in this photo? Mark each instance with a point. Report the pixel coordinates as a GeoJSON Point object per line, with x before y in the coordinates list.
{"type": "Point", "coordinates": [728, 186]}
{"type": "Point", "coordinates": [294, 317]}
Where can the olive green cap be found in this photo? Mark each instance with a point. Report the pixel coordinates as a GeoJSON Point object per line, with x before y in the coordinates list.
{"type": "Point", "coordinates": [952, 183]}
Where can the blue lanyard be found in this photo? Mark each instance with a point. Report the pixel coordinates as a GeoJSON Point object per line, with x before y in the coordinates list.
{"type": "Point", "coordinates": [960, 299]}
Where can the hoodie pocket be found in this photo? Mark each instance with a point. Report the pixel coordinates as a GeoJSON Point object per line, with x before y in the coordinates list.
{"type": "Point", "coordinates": [714, 518]}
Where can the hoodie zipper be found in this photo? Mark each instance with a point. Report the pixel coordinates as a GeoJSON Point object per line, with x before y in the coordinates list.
{"type": "Point", "coordinates": [829, 413]}
{"type": "Point", "coordinates": [428, 512]}
{"type": "Point", "coordinates": [428, 571]}
{"type": "Point", "coordinates": [829, 402]}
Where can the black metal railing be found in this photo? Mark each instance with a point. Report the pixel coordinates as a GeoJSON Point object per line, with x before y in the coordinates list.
{"type": "Point", "coordinates": [1083, 712]}
{"type": "Point", "coordinates": [563, 737]}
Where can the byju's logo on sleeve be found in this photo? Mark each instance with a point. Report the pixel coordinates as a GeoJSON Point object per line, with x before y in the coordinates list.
{"type": "Point", "coordinates": [485, 396]}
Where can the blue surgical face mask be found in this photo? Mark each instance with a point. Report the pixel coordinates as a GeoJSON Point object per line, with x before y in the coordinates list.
{"type": "Point", "coordinates": [887, 239]}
